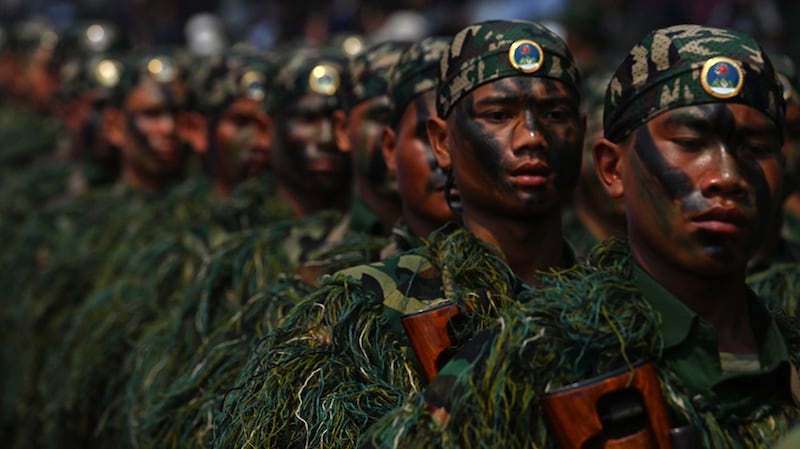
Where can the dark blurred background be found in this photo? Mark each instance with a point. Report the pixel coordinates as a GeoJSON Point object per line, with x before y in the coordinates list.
{"type": "Point", "coordinates": [598, 31]}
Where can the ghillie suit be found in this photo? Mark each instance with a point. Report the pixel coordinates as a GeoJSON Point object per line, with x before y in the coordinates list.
{"type": "Point", "coordinates": [341, 359]}
{"type": "Point", "coordinates": [244, 295]}
{"type": "Point", "coordinates": [136, 263]}
{"type": "Point", "coordinates": [583, 322]}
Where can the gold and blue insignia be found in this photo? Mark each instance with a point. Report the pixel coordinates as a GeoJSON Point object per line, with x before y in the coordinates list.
{"type": "Point", "coordinates": [162, 69]}
{"type": "Point", "coordinates": [324, 79]}
{"type": "Point", "coordinates": [107, 72]}
{"type": "Point", "coordinates": [526, 56]}
{"type": "Point", "coordinates": [252, 85]}
{"type": "Point", "coordinates": [786, 87]}
{"type": "Point", "coordinates": [722, 77]}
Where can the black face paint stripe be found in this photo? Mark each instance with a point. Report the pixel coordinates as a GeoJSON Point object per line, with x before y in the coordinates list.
{"type": "Point", "coordinates": [478, 137]}
{"type": "Point", "coordinates": [674, 180]}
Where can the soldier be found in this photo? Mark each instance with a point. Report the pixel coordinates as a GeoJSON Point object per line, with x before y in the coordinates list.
{"type": "Point", "coordinates": [376, 202]}
{"type": "Point", "coordinates": [311, 168]}
{"type": "Point", "coordinates": [692, 136]}
{"type": "Point", "coordinates": [594, 216]}
{"type": "Point", "coordinates": [509, 132]}
{"type": "Point", "coordinates": [781, 244]}
{"type": "Point", "coordinates": [404, 143]}
{"type": "Point", "coordinates": [230, 126]}
{"type": "Point", "coordinates": [82, 100]}
{"type": "Point", "coordinates": [148, 93]}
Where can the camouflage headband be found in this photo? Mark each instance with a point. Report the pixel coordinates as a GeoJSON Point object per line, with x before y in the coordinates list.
{"type": "Point", "coordinates": [496, 49]}
{"type": "Point", "coordinates": [787, 75]}
{"type": "Point", "coordinates": [369, 71]}
{"type": "Point", "coordinates": [224, 78]}
{"type": "Point", "coordinates": [308, 71]}
{"type": "Point", "coordinates": [120, 75]}
{"type": "Point", "coordinates": [687, 65]}
{"type": "Point", "coordinates": [416, 72]}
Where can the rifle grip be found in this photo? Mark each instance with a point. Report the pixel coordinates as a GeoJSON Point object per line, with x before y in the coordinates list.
{"type": "Point", "coordinates": [574, 412]}
{"type": "Point", "coordinates": [427, 332]}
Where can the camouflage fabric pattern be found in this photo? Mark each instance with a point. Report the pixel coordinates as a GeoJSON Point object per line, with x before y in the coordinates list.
{"type": "Point", "coordinates": [478, 54]}
{"type": "Point", "coordinates": [221, 79]}
{"type": "Point", "coordinates": [663, 72]}
{"type": "Point", "coordinates": [161, 66]}
{"type": "Point", "coordinates": [787, 74]}
{"type": "Point", "coordinates": [369, 71]}
{"type": "Point", "coordinates": [79, 51]}
{"type": "Point", "coordinates": [292, 80]}
{"type": "Point", "coordinates": [415, 72]}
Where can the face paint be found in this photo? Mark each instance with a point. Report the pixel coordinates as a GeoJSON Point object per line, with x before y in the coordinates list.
{"type": "Point", "coordinates": [242, 146]}
{"type": "Point", "coordinates": [518, 139]}
{"type": "Point", "coordinates": [305, 154]}
{"type": "Point", "coordinates": [151, 148]}
{"type": "Point", "coordinates": [704, 180]}
{"type": "Point", "coordinates": [421, 182]}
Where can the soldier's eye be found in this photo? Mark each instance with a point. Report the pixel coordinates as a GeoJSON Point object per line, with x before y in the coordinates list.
{"type": "Point", "coordinates": [241, 120]}
{"type": "Point", "coordinates": [496, 115]}
{"type": "Point", "coordinates": [689, 143]}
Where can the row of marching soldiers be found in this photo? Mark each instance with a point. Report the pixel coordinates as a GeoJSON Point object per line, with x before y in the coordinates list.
{"type": "Point", "coordinates": [185, 238]}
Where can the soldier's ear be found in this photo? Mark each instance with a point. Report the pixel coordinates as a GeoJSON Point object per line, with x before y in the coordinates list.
{"type": "Point", "coordinates": [388, 142]}
{"type": "Point", "coordinates": [114, 126]}
{"type": "Point", "coordinates": [608, 157]}
{"type": "Point", "coordinates": [437, 136]}
{"type": "Point", "coordinates": [340, 134]}
{"type": "Point", "coordinates": [191, 127]}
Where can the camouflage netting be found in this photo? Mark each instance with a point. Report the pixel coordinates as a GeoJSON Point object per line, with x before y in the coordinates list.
{"type": "Point", "coordinates": [591, 321]}
{"type": "Point", "coordinates": [341, 359]}
{"type": "Point", "coordinates": [174, 396]}
{"type": "Point", "coordinates": [113, 264]}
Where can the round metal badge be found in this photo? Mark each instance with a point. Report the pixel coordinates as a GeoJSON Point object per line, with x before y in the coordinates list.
{"type": "Point", "coordinates": [107, 72]}
{"type": "Point", "coordinates": [526, 56]}
{"type": "Point", "coordinates": [252, 85]}
{"type": "Point", "coordinates": [722, 77]}
{"type": "Point", "coordinates": [324, 79]}
{"type": "Point", "coordinates": [163, 69]}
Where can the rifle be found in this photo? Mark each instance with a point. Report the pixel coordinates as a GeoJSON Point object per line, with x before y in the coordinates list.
{"type": "Point", "coordinates": [428, 333]}
{"type": "Point", "coordinates": [619, 410]}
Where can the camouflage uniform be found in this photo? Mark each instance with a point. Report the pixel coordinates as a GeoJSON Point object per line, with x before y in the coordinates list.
{"type": "Point", "coordinates": [342, 359]}
{"type": "Point", "coordinates": [608, 313]}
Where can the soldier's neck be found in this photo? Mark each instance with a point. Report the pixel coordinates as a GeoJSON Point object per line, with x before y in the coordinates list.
{"type": "Point", "coordinates": [529, 245]}
{"type": "Point", "coordinates": [141, 183]}
{"type": "Point", "coordinates": [303, 205]}
{"type": "Point", "coordinates": [384, 204]}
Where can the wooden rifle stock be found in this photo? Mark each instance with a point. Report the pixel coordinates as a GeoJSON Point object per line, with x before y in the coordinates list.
{"type": "Point", "coordinates": [620, 410]}
{"type": "Point", "coordinates": [427, 331]}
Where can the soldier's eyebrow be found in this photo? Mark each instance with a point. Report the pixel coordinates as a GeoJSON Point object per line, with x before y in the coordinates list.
{"type": "Point", "coordinates": [689, 120]}
{"type": "Point", "coordinates": [498, 98]}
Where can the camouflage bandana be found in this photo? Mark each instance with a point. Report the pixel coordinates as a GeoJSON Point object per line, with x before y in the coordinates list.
{"type": "Point", "coordinates": [222, 79]}
{"type": "Point", "coordinates": [495, 49]}
{"type": "Point", "coordinates": [416, 72]}
{"type": "Point", "coordinates": [369, 71]}
{"type": "Point", "coordinates": [120, 75]}
{"type": "Point", "coordinates": [308, 70]}
{"type": "Point", "coordinates": [787, 75]}
{"type": "Point", "coordinates": [688, 65]}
